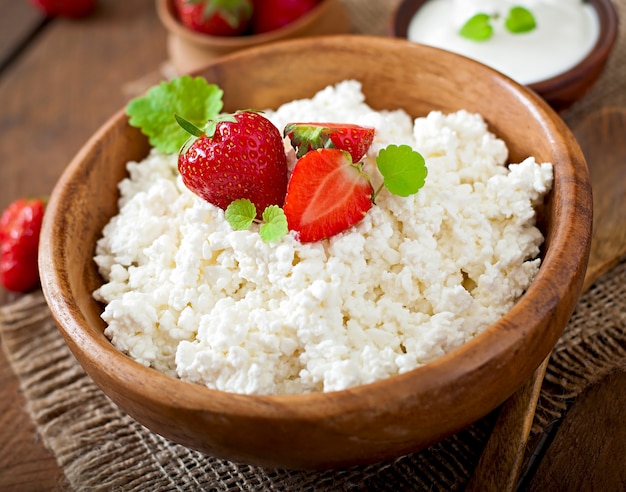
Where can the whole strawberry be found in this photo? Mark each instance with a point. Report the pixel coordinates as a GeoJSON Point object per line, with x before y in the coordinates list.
{"type": "Point", "coordinates": [239, 156]}
{"type": "Point", "coordinates": [216, 17]}
{"type": "Point", "coordinates": [20, 225]}
{"type": "Point", "coordinates": [274, 14]}
{"type": "Point", "coordinates": [65, 8]}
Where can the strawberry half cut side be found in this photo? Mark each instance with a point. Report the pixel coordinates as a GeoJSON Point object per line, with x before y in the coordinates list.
{"type": "Point", "coordinates": [327, 194]}
{"type": "Point", "coordinates": [354, 139]}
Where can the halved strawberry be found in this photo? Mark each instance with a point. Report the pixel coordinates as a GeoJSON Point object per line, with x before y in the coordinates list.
{"type": "Point", "coordinates": [241, 156]}
{"type": "Point", "coordinates": [327, 193]}
{"type": "Point", "coordinates": [354, 139]}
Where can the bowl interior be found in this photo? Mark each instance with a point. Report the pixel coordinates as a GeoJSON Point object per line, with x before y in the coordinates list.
{"type": "Point", "coordinates": [371, 422]}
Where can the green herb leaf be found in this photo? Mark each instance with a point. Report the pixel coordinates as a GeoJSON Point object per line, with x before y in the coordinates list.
{"type": "Point", "coordinates": [477, 28]}
{"type": "Point", "coordinates": [240, 214]}
{"type": "Point", "coordinates": [403, 169]}
{"type": "Point", "coordinates": [193, 98]}
{"type": "Point", "coordinates": [520, 20]}
{"type": "Point", "coordinates": [275, 224]}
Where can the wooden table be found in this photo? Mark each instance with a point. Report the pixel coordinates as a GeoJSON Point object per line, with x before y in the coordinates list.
{"type": "Point", "coordinates": [59, 81]}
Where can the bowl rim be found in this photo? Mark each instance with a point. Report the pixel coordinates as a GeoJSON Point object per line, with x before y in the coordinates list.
{"type": "Point", "coordinates": [608, 20]}
{"type": "Point", "coordinates": [167, 15]}
{"type": "Point", "coordinates": [444, 370]}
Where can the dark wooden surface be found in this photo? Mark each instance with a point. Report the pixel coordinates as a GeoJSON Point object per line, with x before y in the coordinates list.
{"type": "Point", "coordinates": [60, 80]}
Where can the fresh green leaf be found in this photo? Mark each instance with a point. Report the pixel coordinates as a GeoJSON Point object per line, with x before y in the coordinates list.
{"type": "Point", "coordinates": [240, 214]}
{"type": "Point", "coordinates": [275, 224]}
{"type": "Point", "coordinates": [188, 126]}
{"type": "Point", "coordinates": [477, 28]}
{"type": "Point", "coordinates": [403, 169]}
{"type": "Point", "coordinates": [193, 98]}
{"type": "Point", "coordinates": [520, 20]}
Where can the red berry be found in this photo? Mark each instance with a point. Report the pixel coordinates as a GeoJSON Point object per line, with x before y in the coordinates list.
{"type": "Point", "coordinates": [274, 14]}
{"type": "Point", "coordinates": [216, 17]}
{"type": "Point", "coordinates": [65, 8]}
{"type": "Point", "coordinates": [326, 195]}
{"type": "Point", "coordinates": [20, 226]}
{"type": "Point", "coordinates": [241, 159]}
{"type": "Point", "coordinates": [354, 139]}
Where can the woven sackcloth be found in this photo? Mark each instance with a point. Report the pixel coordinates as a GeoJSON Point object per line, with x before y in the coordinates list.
{"type": "Point", "coordinates": [101, 448]}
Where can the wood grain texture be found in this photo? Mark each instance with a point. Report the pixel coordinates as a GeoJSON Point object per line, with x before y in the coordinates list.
{"type": "Point", "coordinates": [589, 450]}
{"type": "Point", "coordinates": [68, 81]}
{"type": "Point", "coordinates": [372, 422]}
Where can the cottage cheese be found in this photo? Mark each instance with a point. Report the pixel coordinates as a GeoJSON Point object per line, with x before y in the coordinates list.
{"type": "Point", "coordinates": [416, 278]}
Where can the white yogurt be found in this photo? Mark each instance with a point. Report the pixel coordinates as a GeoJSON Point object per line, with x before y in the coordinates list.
{"type": "Point", "coordinates": [566, 32]}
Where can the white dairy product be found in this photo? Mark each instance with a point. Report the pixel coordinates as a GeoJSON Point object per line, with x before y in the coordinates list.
{"type": "Point", "coordinates": [566, 32]}
{"type": "Point", "coordinates": [416, 278]}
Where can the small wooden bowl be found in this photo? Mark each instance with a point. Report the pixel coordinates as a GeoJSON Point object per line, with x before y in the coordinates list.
{"type": "Point", "coordinates": [562, 90]}
{"type": "Point", "coordinates": [367, 423]}
{"type": "Point", "coordinates": [190, 50]}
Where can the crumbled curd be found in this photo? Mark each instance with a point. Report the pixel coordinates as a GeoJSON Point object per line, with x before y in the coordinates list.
{"type": "Point", "coordinates": [416, 278]}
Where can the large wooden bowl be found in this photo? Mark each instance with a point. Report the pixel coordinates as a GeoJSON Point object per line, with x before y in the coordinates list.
{"type": "Point", "coordinates": [564, 89]}
{"type": "Point", "coordinates": [371, 422]}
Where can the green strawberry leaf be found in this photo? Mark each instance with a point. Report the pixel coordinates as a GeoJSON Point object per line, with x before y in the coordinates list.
{"type": "Point", "coordinates": [520, 20]}
{"type": "Point", "coordinates": [275, 224]}
{"type": "Point", "coordinates": [193, 98]}
{"type": "Point", "coordinates": [477, 28]}
{"type": "Point", "coordinates": [404, 169]}
{"type": "Point", "coordinates": [240, 214]}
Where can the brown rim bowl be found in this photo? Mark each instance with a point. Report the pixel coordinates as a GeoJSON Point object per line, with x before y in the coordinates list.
{"type": "Point", "coordinates": [368, 423]}
{"type": "Point", "coordinates": [562, 90]}
{"type": "Point", "coordinates": [189, 50]}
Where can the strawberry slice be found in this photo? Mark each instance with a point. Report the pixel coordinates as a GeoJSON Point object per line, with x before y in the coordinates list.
{"type": "Point", "coordinates": [326, 195]}
{"type": "Point", "coordinates": [354, 139]}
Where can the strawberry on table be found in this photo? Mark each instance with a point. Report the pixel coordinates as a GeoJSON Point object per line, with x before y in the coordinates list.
{"type": "Point", "coordinates": [238, 156]}
{"type": "Point", "coordinates": [216, 17]}
{"type": "Point", "coordinates": [354, 139]}
{"type": "Point", "coordinates": [326, 195]}
{"type": "Point", "coordinates": [20, 226]}
{"type": "Point", "coordinates": [274, 14]}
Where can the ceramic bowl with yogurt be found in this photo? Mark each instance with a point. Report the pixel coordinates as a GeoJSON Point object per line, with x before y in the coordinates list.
{"type": "Point", "coordinates": [560, 59]}
{"type": "Point", "coordinates": [369, 422]}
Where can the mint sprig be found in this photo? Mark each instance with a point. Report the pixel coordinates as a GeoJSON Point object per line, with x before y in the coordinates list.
{"type": "Point", "coordinates": [193, 98]}
{"type": "Point", "coordinates": [479, 27]}
{"type": "Point", "coordinates": [241, 214]}
{"type": "Point", "coordinates": [520, 20]}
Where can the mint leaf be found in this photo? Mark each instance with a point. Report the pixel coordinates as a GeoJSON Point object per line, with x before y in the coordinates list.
{"type": "Point", "coordinates": [275, 224]}
{"type": "Point", "coordinates": [240, 214]}
{"type": "Point", "coordinates": [520, 20]}
{"type": "Point", "coordinates": [193, 98]}
{"type": "Point", "coordinates": [403, 169]}
{"type": "Point", "coordinates": [477, 28]}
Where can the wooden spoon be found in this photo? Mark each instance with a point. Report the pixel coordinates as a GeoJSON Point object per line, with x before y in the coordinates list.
{"type": "Point", "coordinates": [601, 136]}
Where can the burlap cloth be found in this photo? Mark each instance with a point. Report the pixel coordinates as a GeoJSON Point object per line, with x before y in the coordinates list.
{"type": "Point", "coordinates": [101, 448]}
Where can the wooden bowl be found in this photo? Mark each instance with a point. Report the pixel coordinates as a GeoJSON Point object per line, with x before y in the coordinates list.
{"type": "Point", "coordinates": [189, 50]}
{"type": "Point", "coordinates": [560, 91]}
{"type": "Point", "coordinates": [367, 423]}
